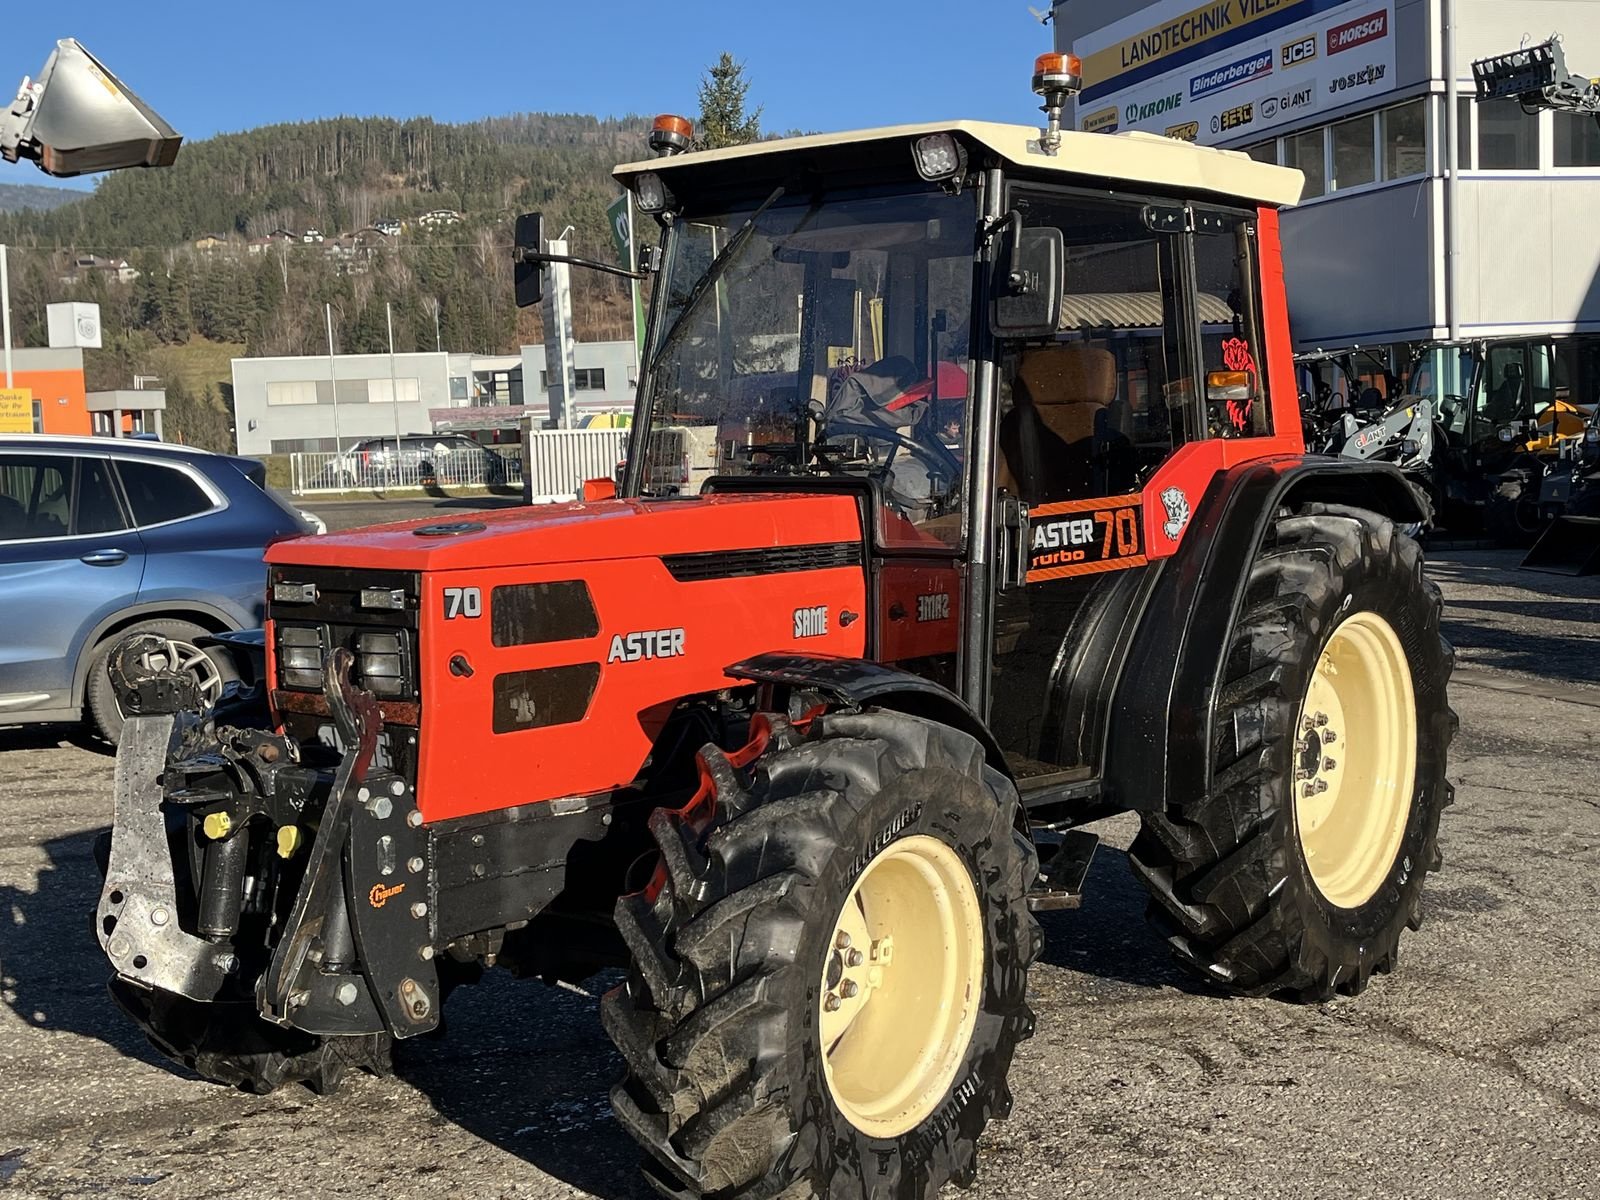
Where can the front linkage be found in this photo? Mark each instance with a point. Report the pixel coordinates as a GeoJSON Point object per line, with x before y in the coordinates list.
{"type": "Point", "coordinates": [226, 899]}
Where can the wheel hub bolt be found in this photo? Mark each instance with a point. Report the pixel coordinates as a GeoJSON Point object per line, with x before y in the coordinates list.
{"type": "Point", "coordinates": [1329, 764]}
{"type": "Point", "coordinates": [1319, 786]}
{"type": "Point", "coordinates": [1330, 737]}
{"type": "Point", "coordinates": [848, 989]}
{"type": "Point", "coordinates": [832, 1003]}
{"type": "Point", "coordinates": [842, 941]}
{"type": "Point", "coordinates": [854, 958]}
{"type": "Point", "coordinates": [1322, 719]}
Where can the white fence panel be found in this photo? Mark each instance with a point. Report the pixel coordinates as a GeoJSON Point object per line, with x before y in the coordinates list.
{"type": "Point", "coordinates": [557, 461]}
{"type": "Point", "coordinates": [381, 470]}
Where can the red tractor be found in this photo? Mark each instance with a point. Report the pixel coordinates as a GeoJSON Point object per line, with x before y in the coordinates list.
{"type": "Point", "coordinates": [1010, 528]}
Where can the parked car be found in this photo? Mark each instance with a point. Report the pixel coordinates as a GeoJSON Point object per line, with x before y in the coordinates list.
{"type": "Point", "coordinates": [424, 459]}
{"type": "Point", "coordinates": [101, 538]}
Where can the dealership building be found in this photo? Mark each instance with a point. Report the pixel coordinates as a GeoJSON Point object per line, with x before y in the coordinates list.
{"type": "Point", "coordinates": [1397, 240]}
{"type": "Point", "coordinates": [314, 403]}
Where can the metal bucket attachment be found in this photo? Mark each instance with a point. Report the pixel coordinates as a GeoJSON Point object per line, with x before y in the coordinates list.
{"type": "Point", "coordinates": [1571, 546]}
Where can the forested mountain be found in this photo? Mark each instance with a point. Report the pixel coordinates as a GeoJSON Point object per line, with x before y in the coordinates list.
{"type": "Point", "coordinates": [201, 262]}
{"type": "Point", "coordinates": [15, 197]}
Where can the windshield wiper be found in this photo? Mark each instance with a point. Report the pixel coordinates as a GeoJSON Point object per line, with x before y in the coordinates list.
{"type": "Point", "coordinates": [713, 272]}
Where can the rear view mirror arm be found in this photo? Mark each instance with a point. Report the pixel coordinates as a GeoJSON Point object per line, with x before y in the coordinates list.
{"type": "Point", "coordinates": [528, 255]}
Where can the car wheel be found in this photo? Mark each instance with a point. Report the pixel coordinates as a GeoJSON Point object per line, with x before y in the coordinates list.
{"type": "Point", "coordinates": [211, 669]}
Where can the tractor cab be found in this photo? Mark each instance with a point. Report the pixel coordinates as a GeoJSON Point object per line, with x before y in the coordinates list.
{"type": "Point", "coordinates": [1023, 351]}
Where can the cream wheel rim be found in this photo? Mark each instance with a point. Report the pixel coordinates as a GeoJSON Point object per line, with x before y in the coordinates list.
{"type": "Point", "coordinates": [1355, 760]}
{"type": "Point", "coordinates": [902, 982]}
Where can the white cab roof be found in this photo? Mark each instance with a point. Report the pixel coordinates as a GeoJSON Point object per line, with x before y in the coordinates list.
{"type": "Point", "coordinates": [1141, 158]}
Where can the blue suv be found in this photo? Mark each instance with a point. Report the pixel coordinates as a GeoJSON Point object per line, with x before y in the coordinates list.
{"type": "Point", "coordinates": [101, 538]}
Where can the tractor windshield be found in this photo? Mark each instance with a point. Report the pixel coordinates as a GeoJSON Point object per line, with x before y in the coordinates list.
{"type": "Point", "coordinates": [829, 335]}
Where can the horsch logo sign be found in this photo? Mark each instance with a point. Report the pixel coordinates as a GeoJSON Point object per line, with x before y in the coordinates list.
{"type": "Point", "coordinates": [1358, 32]}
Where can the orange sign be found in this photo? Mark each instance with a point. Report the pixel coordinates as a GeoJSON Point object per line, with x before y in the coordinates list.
{"type": "Point", "coordinates": [16, 410]}
{"type": "Point", "coordinates": [1084, 537]}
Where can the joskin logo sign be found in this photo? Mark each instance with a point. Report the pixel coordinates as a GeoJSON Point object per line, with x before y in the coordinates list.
{"type": "Point", "coordinates": [1143, 112]}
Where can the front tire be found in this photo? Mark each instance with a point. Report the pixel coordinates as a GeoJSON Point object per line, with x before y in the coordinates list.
{"type": "Point", "coordinates": [1302, 864]}
{"type": "Point", "coordinates": [830, 977]}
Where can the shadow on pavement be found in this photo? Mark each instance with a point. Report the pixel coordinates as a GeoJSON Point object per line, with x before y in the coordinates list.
{"type": "Point", "coordinates": [52, 972]}
{"type": "Point", "coordinates": [51, 737]}
{"type": "Point", "coordinates": [529, 1069]}
{"type": "Point", "coordinates": [1108, 938]}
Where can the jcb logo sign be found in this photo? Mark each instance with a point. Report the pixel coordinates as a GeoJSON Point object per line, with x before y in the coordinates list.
{"type": "Point", "coordinates": [1301, 50]}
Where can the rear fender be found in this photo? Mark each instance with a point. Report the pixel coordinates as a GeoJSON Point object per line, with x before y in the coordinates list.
{"type": "Point", "coordinates": [1159, 741]}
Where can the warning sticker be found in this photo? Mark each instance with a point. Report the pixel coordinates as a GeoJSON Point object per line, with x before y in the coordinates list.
{"type": "Point", "coordinates": [1085, 537]}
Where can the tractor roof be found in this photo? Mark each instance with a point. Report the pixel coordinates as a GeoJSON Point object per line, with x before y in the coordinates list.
{"type": "Point", "coordinates": [1137, 158]}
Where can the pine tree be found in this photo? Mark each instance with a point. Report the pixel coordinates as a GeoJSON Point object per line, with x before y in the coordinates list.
{"type": "Point", "coordinates": [722, 99]}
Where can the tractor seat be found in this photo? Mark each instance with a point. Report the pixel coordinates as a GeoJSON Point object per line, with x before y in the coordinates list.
{"type": "Point", "coordinates": [1047, 439]}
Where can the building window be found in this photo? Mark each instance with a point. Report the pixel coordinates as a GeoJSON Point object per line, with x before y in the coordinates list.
{"type": "Point", "coordinates": [383, 391]}
{"type": "Point", "coordinates": [1405, 140]}
{"type": "Point", "coordinates": [38, 416]}
{"type": "Point", "coordinates": [1464, 139]}
{"type": "Point", "coordinates": [303, 445]}
{"type": "Point", "coordinates": [590, 379]}
{"type": "Point", "coordinates": [1266, 152]}
{"type": "Point", "coordinates": [1577, 139]}
{"type": "Point", "coordinates": [458, 387]}
{"type": "Point", "coordinates": [1304, 150]}
{"type": "Point", "coordinates": [292, 392]}
{"type": "Point", "coordinates": [1353, 159]}
{"type": "Point", "coordinates": [1508, 138]}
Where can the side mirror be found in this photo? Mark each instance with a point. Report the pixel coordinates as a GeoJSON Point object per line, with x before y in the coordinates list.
{"type": "Point", "coordinates": [1027, 301]}
{"type": "Point", "coordinates": [527, 247]}
{"type": "Point", "coordinates": [78, 117]}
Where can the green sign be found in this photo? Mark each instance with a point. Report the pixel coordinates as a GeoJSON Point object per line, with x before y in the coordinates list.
{"type": "Point", "coordinates": [620, 217]}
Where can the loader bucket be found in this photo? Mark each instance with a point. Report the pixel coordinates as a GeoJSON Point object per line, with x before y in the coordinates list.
{"type": "Point", "coordinates": [1571, 546]}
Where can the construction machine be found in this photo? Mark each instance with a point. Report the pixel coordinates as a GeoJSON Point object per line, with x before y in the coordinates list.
{"type": "Point", "coordinates": [1009, 527]}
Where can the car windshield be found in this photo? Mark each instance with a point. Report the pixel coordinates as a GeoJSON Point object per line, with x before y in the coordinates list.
{"type": "Point", "coordinates": [829, 336]}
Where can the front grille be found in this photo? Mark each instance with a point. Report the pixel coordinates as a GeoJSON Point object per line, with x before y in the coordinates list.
{"type": "Point", "coordinates": [328, 612]}
{"type": "Point", "coordinates": [777, 560]}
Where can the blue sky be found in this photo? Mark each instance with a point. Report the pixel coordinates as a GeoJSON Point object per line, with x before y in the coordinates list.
{"type": "Point", "coordinates": [834, 64]}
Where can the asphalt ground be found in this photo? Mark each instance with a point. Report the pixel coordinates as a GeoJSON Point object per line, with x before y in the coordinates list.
{"type": "Point", "coordinates": [1473, 1071]}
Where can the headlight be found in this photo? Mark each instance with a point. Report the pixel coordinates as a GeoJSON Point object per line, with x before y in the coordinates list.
{"type": "Point", "coordinates": [300, 657]}
{"type": "Point", "coordinates": [1506, 433]}
{"type": "Point", "coordinates": [650, 193]}
{"type": "Point", "coordinates": [381, 662]}
{"type": "Point", "coordinates": [938, 156]}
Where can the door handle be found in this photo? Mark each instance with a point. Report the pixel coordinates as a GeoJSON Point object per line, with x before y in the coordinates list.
{"type": "Point", "coordinates": [105, 558]}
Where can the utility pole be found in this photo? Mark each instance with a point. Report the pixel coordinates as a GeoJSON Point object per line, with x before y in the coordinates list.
{"type": "Point", "coordinates": [333, 382]}
{"type": "Point", "coordinates": [394, 386]}
{"type": "Point", "coordinates": [5, 307]}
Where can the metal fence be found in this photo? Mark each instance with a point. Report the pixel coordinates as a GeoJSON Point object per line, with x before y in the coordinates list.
{"type": "Point", "coordinates": [554, 467]}
{"type": "Point", "coordinates": [382, 470]}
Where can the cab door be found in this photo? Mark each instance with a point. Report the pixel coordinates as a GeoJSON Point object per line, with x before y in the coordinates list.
{"type": "Point", "coordinates": [1157, 348]}
{"type": "Point", "coordinates": [68, 559]}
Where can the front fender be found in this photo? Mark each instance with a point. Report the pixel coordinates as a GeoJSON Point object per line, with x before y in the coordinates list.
{"type": "Point", "coordinates": [859, 683]}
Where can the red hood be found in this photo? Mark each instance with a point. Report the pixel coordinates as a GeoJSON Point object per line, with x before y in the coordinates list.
{"type": "Point", "coordinates": [606, 529]}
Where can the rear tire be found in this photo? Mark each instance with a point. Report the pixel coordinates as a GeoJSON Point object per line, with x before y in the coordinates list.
{"type": "Point", "coordinates": [102, 698]}
{"type": "Point", "coordinates": [1235, 882]}
{"type": "Point", "coordinates": [738, 960]}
